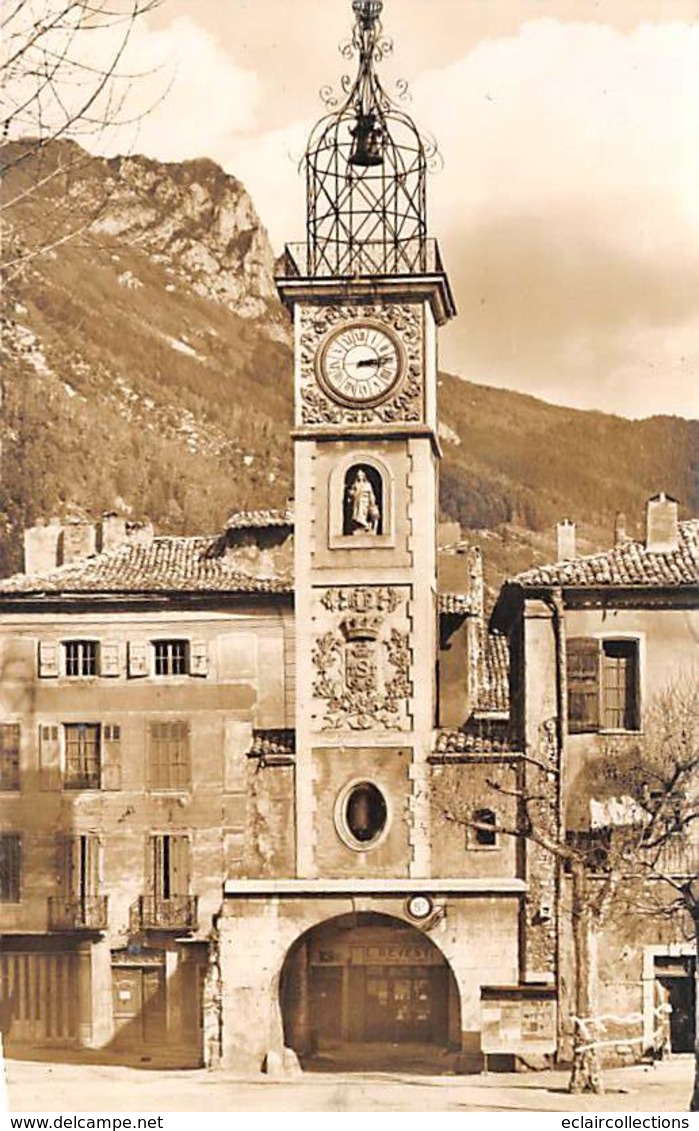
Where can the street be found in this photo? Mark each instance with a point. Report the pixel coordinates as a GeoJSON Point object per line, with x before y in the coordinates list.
{"type": "Point", "coordinates": [36, 1086]}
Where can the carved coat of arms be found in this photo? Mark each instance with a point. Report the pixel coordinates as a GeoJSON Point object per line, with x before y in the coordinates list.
{"type": "Point", "coordinates": [363, 664]}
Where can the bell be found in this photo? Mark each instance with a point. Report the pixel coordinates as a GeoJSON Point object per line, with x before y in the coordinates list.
{"type": "Point", "coordinates": [366, 147]}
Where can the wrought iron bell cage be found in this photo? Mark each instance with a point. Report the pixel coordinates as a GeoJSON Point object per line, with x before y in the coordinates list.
{"type": "Point", "coordinates": [366, 166]}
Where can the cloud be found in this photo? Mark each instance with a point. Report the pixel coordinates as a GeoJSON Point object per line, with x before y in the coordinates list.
{"type": "Point", "coordinates": [192, 97]}
{"type": "Point", "coordinates": [567, 210]}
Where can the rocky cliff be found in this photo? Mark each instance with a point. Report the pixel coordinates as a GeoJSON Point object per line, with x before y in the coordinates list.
{"type": "Point", "coordinates": [148, 369]}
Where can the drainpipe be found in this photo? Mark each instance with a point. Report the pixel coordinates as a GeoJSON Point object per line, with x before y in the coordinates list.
{"type": "Point", "coordinates": [555, 603]}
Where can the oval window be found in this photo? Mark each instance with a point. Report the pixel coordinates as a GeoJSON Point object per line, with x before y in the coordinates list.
{"type": "Point", "coordinates": [365, 812]}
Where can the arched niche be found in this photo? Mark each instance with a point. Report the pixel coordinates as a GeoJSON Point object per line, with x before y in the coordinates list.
{"type": "Point", "coordinates": [360, 503]}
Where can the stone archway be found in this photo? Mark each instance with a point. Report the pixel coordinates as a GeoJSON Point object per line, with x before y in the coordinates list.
{"type": "Point", "coordinates": [361, 987]}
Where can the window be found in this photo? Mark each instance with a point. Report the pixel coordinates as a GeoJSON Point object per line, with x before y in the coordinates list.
{"type": "Point", "coordinates": [168, 755]}
{"type": "Point", "coordinates": [619, 685]}
{"type": "Point", "coordinates": [170, 866]}
{"type": "Point", "coordinates": [171, 657]}
{"type": "Point", "coordinates": [484, 831]}
{"type": "Point", "coordinates": [82, 751]}
{"type": "Point", "coordinates": [10, 867]}
{"type": "Point", "coordinates": [603, 684]}
{"type": "Point", "coordinates": [9, 756]}
{"type": "Point", "coordinates": [81, 869]}
{"type": "Point", "coordinates": [80, 657]}
{"type": "Point", "coordinates": [363, 814]}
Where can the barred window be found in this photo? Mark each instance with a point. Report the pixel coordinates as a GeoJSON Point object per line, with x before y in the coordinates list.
{"type": "Point", "coordinates": [168, 755]}
{"type": "Point", "coordinates": [81, 657]}
{"type": "Point", "coordinates": [10, 867]}
{"type": "Point", "coordinates": [171, 657]}
{"type": "Point", "coordinates": [82, 748]}
{"type": "Point", "coordinates": [9, 756]}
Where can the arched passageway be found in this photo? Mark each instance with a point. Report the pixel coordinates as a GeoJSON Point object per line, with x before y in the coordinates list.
{"type": "Point", "coordinates": [363, 988]}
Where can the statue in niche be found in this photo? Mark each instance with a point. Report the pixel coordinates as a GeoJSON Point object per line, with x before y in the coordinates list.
{"type": "Point", "coordinates": [362, 501]}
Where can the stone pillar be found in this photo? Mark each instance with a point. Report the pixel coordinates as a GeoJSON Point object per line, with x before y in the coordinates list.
{"type": "Point", "coordinates": [297, 1001]}
{"type": "Point", "coordinates": [252, 950]}
{"type": "Point", "coordinates": [101, 993]}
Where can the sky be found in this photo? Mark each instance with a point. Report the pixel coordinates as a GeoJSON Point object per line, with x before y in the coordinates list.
{"type": "Point", "coordinates": [567, 208]}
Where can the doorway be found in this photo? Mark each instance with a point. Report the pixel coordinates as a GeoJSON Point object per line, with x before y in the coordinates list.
{"type": "Point", "coordinates": [676, 980]}
{"type": "Point", "coordinates": [140, 1015]}
{"type": "Point", "coordinates": [361, 984]}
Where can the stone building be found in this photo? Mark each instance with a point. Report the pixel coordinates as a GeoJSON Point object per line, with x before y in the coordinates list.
{"type": "Point", "coordinates": [593, 640]}
{"type": "Point", "coordinates": [142, 680]}
{"type": "Point", "coordinates": [225, 760]}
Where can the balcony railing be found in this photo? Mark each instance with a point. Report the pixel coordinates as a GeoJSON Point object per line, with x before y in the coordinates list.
{"type": "Point", "coordinates": [405, 257]}
{"type": "Point", "coordinates": [177, 913]}
{"type": "Point", "coordinates": [86, 913]}
{"type": "Point", "coordinates": [678, 857]}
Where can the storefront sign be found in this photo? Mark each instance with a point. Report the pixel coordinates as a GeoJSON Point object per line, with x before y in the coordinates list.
{"type": "Point", "coordinates": [514, 1023]}
{"type": "Point", "coordinates": [396, 954]}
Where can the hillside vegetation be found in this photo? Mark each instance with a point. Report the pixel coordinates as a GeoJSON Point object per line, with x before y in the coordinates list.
{"type": "Point", "coordinates": [148, 368]}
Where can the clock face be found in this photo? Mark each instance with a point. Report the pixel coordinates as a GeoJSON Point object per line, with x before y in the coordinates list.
{"type": "Point", "coordinates": [361, 363]}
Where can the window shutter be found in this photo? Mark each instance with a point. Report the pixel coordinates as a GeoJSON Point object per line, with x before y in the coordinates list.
{"type": "Point", "coordinates": [9, 756]}
{"type": "Point", "coordinates": [110, 658]}
{"type": "Point", "coordinates": [64, 862]}
{"type": "Point", "coordinates": [91, 864]}
{"type": "Point", "coordinates": [582, 662]}
{"type": "Point", "coordinates": [156, 878]}
{"type": "Point", "coordinates": [138, 658]}
{"type": "Point", "coordinates": [48, 659]}
{"type": "Point", "coordinates": [49, 756]}
{"type": "Point", "coordinates": [111, 756]}
{"type": "Point", "coordinates": [199, 658]}
{"type": "Point", "coordinates": [179, 865]}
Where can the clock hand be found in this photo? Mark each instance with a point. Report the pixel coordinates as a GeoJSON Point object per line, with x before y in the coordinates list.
{"type": "Point", "coordinates": [365, 362]}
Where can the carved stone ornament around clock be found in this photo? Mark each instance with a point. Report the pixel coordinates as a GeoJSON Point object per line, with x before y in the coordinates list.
{"type": "Point", "coordinates": [361, 364]}
{"type": "Point", "coordinates": [362, 658]}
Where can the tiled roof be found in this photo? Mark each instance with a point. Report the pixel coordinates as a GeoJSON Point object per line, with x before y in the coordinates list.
{"type": "Point", "coordinates": [628, 564]}
{"type": "Point", "coordinates": [495, 690]}
{"type": "Point", "coordinates": [477, 737]}
{"type": "Point", "coordinates": [185, 565]}
{"type": "Point", "coordinates": [457, 604]}
{"type": "Point", "coordinates": [256, 520]}
{"type": "Point", "coordinates": [273, 745]}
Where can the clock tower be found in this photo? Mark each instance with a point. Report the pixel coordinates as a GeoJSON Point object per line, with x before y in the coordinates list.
{"type": "Point", "coordinates": [367, 293]}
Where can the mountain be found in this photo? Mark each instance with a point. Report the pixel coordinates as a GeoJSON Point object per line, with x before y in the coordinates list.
{"type": "Point", "coordinates": [149, 369]}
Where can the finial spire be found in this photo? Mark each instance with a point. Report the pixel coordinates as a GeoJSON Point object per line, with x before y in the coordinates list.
{"type": "Point", "coordinates": [367, 12]}
{"type": "Point", "coordinates": [366, 166]}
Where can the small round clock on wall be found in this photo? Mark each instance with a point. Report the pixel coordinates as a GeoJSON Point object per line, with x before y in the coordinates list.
{"type": "Point", "coordinates": [361, 364]}
{"type": "Point", "coordinates": [419, 906]}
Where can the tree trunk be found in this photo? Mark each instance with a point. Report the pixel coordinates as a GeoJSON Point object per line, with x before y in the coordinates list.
{"type": "Point", "coordinates": [694, 1104]}
{"type": "Point", "coordinates": [586, 1075]}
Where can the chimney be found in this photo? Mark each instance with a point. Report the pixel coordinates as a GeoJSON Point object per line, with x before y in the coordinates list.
{"type": "Point", "coordinates": [621, 537]}
{"type": "Point", "coordinates": [661, 524]}
{"type": "Point", "coordinates": [448, 533]}
{"type": "Point", "coordinates": [112, 531]}
{"type": "Point", "coordinates": [41, 544]}
{"type": "Point", "coordinates": [141, 533]}
{"type": "Point", "coordinates": [565, 540]}
{"type": "Point", "coordinates": [79, 541]}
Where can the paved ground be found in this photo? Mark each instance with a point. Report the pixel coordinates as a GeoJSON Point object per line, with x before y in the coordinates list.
{"type": "Point", "coordinates": [74, 1088]}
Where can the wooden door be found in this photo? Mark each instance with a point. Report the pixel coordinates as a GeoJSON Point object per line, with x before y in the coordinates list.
{"type": "Point", "coordinates": [139, 1003]}
{"type": "Point", "coordinates": [154, 1005]}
